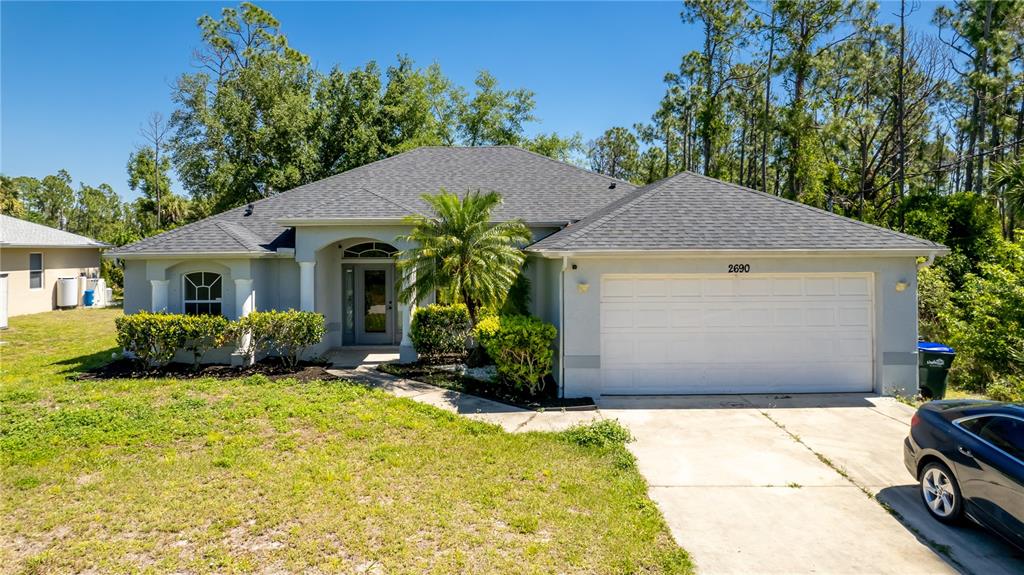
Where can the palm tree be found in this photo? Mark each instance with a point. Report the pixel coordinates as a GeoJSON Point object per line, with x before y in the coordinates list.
{"type": "Point", "coordinates": [1009, 175]}
{"type": "Point", "coordinates": [461, 252]}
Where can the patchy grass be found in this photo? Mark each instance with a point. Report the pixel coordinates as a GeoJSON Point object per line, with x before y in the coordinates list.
{"type": "Point", "coordinates": [205, 475]}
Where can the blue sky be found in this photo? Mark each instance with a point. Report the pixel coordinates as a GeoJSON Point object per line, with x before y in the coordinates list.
{"type": "Point", "coordinates": [78, 79]}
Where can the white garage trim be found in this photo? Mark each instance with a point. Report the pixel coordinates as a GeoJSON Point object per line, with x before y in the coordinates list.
{"type": "Point", "coordinates": [737, 333]}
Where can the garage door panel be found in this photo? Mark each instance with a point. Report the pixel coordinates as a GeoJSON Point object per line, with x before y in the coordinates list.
{"type": "Point", "coordinates": [736, 334]}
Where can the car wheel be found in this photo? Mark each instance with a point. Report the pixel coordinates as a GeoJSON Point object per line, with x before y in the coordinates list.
{"type": "Point", "coordinates": [940, 493]}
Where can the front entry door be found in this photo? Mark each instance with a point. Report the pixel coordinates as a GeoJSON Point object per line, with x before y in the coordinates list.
{"type": "Point", "coordinates": [374, 305]}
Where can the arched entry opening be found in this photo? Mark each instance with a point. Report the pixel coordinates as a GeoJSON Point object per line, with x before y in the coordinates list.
{"type": "Point", "coordinates": [369, 310]}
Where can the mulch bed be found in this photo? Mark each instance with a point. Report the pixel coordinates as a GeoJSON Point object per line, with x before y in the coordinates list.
{"type": "Point", "coordinates": [548, 398]}
{"type": "Point", "coordinates": [273, 368]}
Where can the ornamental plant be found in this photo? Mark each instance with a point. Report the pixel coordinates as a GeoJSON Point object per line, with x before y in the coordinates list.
{"type": "Point", "coordinates": [201, 333]}
{"type": "Point", "coordinates": [520, 347]}
{"type": "Point", "coordinates": [439, 331]}
{"type": "Point", "coordinates": [153, 338]}
{"type": "Point", "coordinates": [295, 331]}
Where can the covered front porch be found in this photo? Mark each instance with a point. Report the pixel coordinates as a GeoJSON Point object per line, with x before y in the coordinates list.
{"type": "Point", "coordinates": [348, 274]}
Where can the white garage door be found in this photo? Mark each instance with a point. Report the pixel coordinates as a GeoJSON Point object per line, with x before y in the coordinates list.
{"type": "Point", "coordinates": [746, 333]}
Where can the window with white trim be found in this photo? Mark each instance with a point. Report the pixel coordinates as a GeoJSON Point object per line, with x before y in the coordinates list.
{"type": "Point", "coordinates": [35, 271]}
{"type": "Point", "coordinates": [202, 293]}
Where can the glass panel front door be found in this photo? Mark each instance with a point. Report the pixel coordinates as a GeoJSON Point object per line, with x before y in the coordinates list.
{"type": "Point", "coordinates": [374, 305]}
{"type": "Point", "coordinates": [375, 301]}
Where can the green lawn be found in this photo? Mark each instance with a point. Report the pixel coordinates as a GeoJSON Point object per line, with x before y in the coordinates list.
{"type": "Point", "coordinates": [162, 475]}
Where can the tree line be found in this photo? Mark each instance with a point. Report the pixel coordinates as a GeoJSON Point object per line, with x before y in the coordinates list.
{"type": "Point", "coordinates": [822, 102]}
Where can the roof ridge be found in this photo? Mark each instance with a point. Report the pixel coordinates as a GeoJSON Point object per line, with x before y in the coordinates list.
{"type": "Point", "coordinates": [393, 201]}
{"type": "Point", "coordinates": [230, 229]}
{"type": "Point", "coordinates": [814, 209]}
{"type": "Point", "coordinates": [561, 163]}
{"type": "Point", "coordinates": [621, 205]}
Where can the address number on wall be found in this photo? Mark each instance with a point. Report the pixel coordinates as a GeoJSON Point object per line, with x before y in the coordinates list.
{"type": "Point", "coordinates": [739, 268]}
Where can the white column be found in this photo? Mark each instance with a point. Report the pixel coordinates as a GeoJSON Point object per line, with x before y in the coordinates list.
{"type": "Point", "coordinates": [245, 303]}
{"type": "Point", "coordinates": [406, 353]}
{"type": "Point", "coordinates": [307, 279]}
{"type": "Point", "coordinates": [158, 295]}
{"type": "Point", "coordinates": [245, 297]}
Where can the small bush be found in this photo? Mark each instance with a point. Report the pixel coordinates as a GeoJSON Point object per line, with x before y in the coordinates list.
{"type": "Point", "coordinates": [439, 331]}
{"type": "Point", "coordinates": [520, 347]}
{"type": "Point", "coordinates": [201, 333]}
{"type": "Point", "coordinates": [1009, 388]}
{"type": "Point", "coordinates": [603, 433]}
{"type": "Point", "coordinates": [295, 331]}
{"type": "Point", "coordinates": [152, 337]}
{"type": "Point", "coordinates": [252, 334]}
{"type": "Point", "coordinates": [287, 332]}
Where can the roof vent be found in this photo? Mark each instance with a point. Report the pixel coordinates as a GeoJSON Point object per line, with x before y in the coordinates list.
{"type": "Point", "coordinates": [611, 186]}
{"type": "Point", "coordinates": [248, 210]}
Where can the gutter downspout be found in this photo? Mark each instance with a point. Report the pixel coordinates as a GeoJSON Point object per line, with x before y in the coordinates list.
{"type": "Point", "coordinates": [928, 262]}
{"type": "Point", "coordinates": [561, 327]}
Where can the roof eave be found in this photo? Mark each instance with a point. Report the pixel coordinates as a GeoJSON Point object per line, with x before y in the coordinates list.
{"type": "Point", "coordinates": [303, 222]}
{"type": "Point", "coordinates": [852, 252]}
{"type": "Point", "coordinates": [143, 255]}
{"type": "Point", "coordinates": [66, 246]}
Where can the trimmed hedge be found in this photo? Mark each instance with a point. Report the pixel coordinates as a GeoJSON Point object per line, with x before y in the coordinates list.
{"type": "Point", "coordinates": [154, 338]}
{"type": "Point", "coordinates": [520, 347]}
{"type": "Point", "coordinates": [440, 331]}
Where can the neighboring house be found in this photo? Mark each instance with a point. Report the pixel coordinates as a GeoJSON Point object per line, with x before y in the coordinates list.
{"type": "Point", "coordinates": [688, 285]}
{"type": "Point", "coordinates": [33, 258]}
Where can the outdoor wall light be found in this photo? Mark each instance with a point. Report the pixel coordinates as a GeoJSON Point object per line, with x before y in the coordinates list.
{"type": "Point", "coordinates": [582, 287]}
{"type": "Point", "coordinates": [901, 286]}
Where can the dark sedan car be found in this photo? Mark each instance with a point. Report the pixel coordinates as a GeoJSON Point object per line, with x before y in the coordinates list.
{"type": "Point", "coordinates": [969, 459]}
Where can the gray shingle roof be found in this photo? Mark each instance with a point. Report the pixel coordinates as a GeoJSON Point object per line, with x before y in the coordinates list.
{"type": "Point", "coordinates": [20, 233]}
{"type": "Point", "coordinates": [693, 212]}
{"type": "Point", "coordinates": [533, 187]}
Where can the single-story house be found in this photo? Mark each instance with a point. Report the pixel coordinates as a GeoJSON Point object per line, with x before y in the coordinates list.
{"type": "Point", "coordinates": [33, 258]}
{"type": "Point", "coordinates": [687, 285]}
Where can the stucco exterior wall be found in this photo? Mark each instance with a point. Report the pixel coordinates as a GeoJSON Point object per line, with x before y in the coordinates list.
{"type": "Point", "coordinates": [895, 337]}
{"type": "Point", "coordinates": [57, 263]}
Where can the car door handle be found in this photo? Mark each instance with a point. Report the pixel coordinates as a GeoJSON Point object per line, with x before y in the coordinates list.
{"type": "Point", "coordinates": [964, 450]}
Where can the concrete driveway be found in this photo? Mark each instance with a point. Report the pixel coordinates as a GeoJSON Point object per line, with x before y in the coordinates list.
{"type": "Point", "coordinates": [781, 484]}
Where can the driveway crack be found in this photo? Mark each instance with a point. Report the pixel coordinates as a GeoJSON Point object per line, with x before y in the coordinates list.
{"type": "Point", "coordinates": [940, 549]}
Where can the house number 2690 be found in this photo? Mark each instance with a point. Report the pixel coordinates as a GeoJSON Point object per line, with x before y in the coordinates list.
{"type": "Point", "coordinates": [739, 268]}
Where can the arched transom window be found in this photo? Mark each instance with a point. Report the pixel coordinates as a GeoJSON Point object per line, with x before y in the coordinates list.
{"type": "Point", "coordinates": [371, 250]}
{"type": "Point", "coordinates": [202, 293]}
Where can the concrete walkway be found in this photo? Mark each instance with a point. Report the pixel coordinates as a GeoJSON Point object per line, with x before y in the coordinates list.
{"type": "Point", "coordinates": [510, 418]}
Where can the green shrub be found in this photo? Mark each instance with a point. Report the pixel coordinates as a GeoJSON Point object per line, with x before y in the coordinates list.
{"type": "Point", "coordinates": [439, 331]}
{"type": "Point", "coordinates": [602, 433]}
{"type": "Point", "coordinates": [152, 337]}
{"type": "Point", "coordinates": [252, 334]}
{"type": "Point", "coordinates": [520, 347]}
{"type": "Point", "coordinates": [201, 333]}
{"type": "Point", "coordinates": [1009, 388]}
{"type": "Point", "coordinates": [287, 332]}
{"type": "Point", "coordinates": [295, 331]}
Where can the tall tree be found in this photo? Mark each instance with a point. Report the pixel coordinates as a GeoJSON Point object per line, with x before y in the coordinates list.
{"type": "Point", "coordinates": [155, 131]}
{"type": "Point", "coordinates": [493, 116]}
{"type": "Point", "coordinates": [724, 33]}
{"type": "Point", "coordinates": [614, 153]}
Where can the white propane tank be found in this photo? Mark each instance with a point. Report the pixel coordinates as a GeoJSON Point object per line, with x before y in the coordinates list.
{"type": "Point", "coordinates": [67, 292]}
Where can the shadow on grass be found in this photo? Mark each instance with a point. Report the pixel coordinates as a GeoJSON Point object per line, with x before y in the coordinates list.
{"type": "Point", "coordinates": [87, 362]}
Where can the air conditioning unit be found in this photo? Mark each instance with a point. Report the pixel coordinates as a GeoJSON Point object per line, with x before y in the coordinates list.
{"type": "Point", "coordinates": [67, 292]}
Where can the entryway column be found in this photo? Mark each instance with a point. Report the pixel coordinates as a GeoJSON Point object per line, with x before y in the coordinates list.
{"type": "Point", "coordinates": [158, 295]}
{"type": "Point", "coordinates": [245, 297]}
{"type": "Point", "coordinates": [307, 279]}
{"type": "Point", "coordinates": [406, 353]}
{"type": "Point", "coordinates": [245, 303]}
